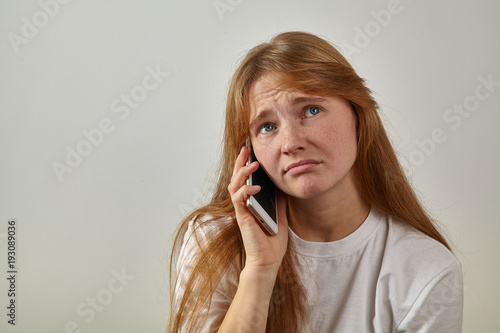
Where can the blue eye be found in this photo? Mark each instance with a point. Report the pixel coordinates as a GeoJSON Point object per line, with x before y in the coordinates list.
{"type": "Point", "coordinates": [312, 111]}
{"type": "Point", "coordinates": [267, 128]}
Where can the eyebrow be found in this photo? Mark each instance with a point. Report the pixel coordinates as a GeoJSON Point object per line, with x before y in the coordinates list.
{"type": "Point", "coordinates": [304, 99]}
{"type": "Point", "coordinates": [297, 100]}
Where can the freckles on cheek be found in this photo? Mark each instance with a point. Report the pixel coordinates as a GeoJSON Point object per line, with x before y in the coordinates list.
{"type": "Point", "coordinates": [341, 148]}
{"type": "Point", "coordinates": [268, 163]}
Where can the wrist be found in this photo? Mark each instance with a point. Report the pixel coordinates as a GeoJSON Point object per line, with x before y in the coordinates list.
{"type": "Point", "coordinates": [263, 278]}
{"type": "Point", "coordinates": [250, 306]}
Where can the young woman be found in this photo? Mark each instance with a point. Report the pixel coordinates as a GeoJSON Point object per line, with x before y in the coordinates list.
{"type": "Point", "coordinates": [355, 250]}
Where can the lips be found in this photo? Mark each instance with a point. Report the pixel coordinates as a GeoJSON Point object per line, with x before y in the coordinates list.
{"type": "Point", "coordinates": [300, 167]}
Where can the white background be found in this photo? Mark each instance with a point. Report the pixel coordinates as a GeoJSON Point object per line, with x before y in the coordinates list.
{"type": "Point", "coordinates": [115, 213]}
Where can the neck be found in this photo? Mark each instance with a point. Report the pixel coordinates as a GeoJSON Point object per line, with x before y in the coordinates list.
{"type": "Point", "coordinates": [330, 216]}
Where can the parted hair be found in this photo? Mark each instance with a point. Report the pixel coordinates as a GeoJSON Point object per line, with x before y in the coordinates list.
{"type": "Point", "coordinates": [309, 64]}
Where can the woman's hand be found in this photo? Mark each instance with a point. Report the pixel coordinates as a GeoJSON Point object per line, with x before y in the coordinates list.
{"type": "Point", "coordinates": [262, 250]}
{"type": "Point", "coordinates": [249, 309]}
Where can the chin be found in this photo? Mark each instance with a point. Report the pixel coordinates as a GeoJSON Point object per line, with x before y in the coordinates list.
{"type": "Point", "coordinates": [307, 192]}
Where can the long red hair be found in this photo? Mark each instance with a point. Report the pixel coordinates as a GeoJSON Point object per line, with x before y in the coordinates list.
{"type": "Point", "coordinates": [310, 64]}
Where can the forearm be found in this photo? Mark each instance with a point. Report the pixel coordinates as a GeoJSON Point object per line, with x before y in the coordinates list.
{"type": "Point", "coordinates": [249, 308]}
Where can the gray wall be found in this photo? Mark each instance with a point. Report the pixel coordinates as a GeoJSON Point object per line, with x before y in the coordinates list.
{"type": "Point", "coordinates": [111, 116]}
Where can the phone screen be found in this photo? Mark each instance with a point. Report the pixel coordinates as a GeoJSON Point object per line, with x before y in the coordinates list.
{"type": "Point", "coordinates": [266, 197]}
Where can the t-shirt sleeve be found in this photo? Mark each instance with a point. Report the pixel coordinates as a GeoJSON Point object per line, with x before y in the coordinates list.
{"type": "Point", "coordinates": [209, 319]}
{"type": "Point", "coordinates": [439, 306]}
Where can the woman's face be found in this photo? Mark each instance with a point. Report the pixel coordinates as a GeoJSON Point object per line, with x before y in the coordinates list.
{"type": "Point", "coordinates": [307, 144]}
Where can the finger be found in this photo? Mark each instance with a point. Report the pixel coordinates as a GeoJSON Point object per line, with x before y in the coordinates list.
{"type": "Point", "coordinates": [238, 164]}
{"type": "Point", "coordinates": [243, 214]}
{"type": "Point", "coordinates": [240, 176]}
{"type": "Point", "coordinates": [242, 159]}
{"type": "Point", "coordinates": [241, 196]}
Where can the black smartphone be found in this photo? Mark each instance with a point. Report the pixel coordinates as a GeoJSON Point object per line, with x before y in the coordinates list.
{"type": "Point", "coordinates": [263, 204]}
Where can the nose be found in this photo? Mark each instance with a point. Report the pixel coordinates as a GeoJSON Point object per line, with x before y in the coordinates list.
{"type": "Point", "coordinates": [292, 140]}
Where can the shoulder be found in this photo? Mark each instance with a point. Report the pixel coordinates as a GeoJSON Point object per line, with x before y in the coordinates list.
{"type": "Point", "coordinates": [203, 226]}
{"type": "Point", "coordinates": [194, 270]}
{"type": "Point", "coordinates": [196, 244]}
{"type": "Point", "coordinates": [199, 231]}
{"type": "Point", "coordinates": [420, 277]}
{"type": "Point", "coordinates": [414, 251]}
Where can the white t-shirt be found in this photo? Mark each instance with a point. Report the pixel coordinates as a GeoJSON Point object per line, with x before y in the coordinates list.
{"type": "Point", "coordinates": [384, 277]}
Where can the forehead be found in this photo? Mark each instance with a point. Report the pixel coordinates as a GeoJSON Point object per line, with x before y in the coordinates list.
{"type": "Point", "coordinates": [271, 92]}
{"type": "Point", "coordinates": [262, 88]}
{"type": "Point", "coordinates": [268, 90]}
